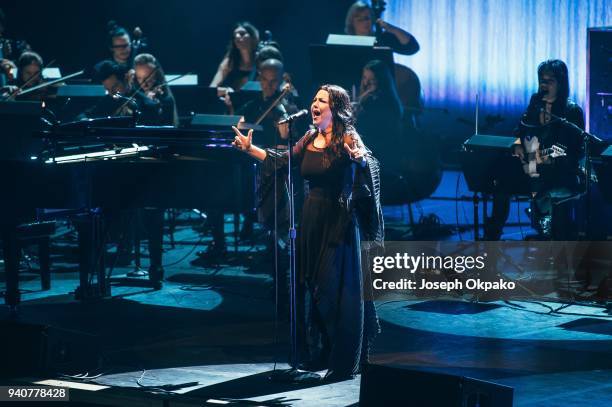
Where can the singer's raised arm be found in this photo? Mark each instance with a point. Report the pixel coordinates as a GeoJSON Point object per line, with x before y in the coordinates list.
{"type": "Point", "coordinates": [245, 144]}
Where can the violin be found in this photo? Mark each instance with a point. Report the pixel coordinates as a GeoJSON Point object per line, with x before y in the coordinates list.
{"type": "Point", "coordinates": [42, 90]}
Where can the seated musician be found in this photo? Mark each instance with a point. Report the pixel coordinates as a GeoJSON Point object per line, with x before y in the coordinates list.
{"type": "Point", "coordinates": [360, 21]}
{"type": "Point", "coordinates": [379, 110]}
{"type": "Point", "coordinates": [120, 44]}
{"type": "Point", "coordinates": [29, 74]}
{"type": "Point", "coordinates": [29, 66]}
{"type": "Point", "coordinates": [114, 79]}
{"type": "Point", "coordinates": [156, 107]}
{"type": "Point", "coordinates": [271, 50]}
{"type": "Point", "coordinates": [150, 91]}
{"type": "Point", "coordinates": [553, 175]}
{"type": "Point", "coordinates": [270, 77]}
{"type": "Point", "coordinates": [238, 64]}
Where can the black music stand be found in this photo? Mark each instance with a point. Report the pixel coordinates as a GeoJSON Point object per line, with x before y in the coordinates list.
{"type": "Point", "coordinates": [488, 167]}
{"type": "Point", "coordinates": [70, 101]}
{"type": "Point", "coordinates": [341, 61]}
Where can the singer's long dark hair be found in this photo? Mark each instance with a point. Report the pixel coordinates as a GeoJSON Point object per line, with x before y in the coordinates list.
{"type": "Point", "coordinates": [343, 121]}
{"type": "Point", "coordinates": [558, 69]}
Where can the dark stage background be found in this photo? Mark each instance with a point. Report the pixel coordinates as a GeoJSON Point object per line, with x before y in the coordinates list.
{"type": "Point", "coordinates": [186, 35]}
{"type": "Point", "coordinates": [467, 47]}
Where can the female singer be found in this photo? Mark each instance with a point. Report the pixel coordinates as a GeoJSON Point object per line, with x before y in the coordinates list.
{"type": "Point", "coordinates": [238, 65]}
{"type": "Point", "coordinates": [335, 326]}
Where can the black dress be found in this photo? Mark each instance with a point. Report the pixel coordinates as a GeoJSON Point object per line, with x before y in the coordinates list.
{"type": "Point", "coordinates": [330, 325]}
{"type": "Point", "coordinates": [336, 318]}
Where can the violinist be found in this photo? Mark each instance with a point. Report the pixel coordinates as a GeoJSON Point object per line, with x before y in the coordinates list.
{"type": "Point", "coordinates": [156, 107]}
{"type": "Point", "coordinates": [270, 78]}
{"type": "Point", "coordinates": [152, 94]}
{"type": "Point", "coordinates": [29, 67]}
{"type": "Point", "coordinates": [271, 50]}
{"type": "Point", "coordinates": [29, 74]}
{"type": "Point", "coordinates": [112, 76]}
{"type": "Point", "coordinates": [114, 79]}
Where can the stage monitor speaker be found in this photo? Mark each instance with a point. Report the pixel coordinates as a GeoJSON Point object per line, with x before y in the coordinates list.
{"type": "Point", "coordinates": [394, 386]}
{"type": "Point", "coordinates": [34, 349]}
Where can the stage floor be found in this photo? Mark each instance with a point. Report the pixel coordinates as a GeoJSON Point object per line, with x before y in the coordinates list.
{"type": "Point", "coordinates": [211, 332]}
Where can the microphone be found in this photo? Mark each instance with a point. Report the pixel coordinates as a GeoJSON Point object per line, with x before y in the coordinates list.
{"type": "Point", "coordinates": [540, 103]}
{"type": "Point", "coordinates": [294, 116]}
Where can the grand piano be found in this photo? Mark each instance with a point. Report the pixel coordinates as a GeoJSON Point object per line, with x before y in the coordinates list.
{"type": "Point", "coordinates": [99, 166]}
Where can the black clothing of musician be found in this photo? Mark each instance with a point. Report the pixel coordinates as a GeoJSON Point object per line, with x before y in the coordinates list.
{"type": "Point", "coordinates": [561, 172]}
{"type": "Point", "coordinates": [157, 108]}
{"type": "Point", "coordinates": [336, 320]}
{"type": "Point", "coordinates": [361, 20]}
{"type": "Point", "coordinates": [158, 111]}
{"type": "Point", "coordinates": [386, 39]}
{"type": "Point", "coordinates": [153, 96]}
{"type": "Point", "coordinates": [560, 178]}
{"type": "Point", "coordinates": [552, 180]}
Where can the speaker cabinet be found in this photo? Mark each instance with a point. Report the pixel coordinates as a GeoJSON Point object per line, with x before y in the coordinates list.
{"type": "Point", "coordinates": [34, 349]}
{"type": "Point", "coordinates": [394, 386]}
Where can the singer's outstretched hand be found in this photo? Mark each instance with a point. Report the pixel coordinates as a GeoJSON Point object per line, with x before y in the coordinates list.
{"type": "Point", "coordinates": [245, 143]}
{"type": "Point", "coordinates": [356, 154]}
{"type": "Point", "coordinates": [241, 142]}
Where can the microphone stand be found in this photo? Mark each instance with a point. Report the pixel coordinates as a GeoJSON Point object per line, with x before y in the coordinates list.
{"type": "Point", "coordinates": [293, 374]}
